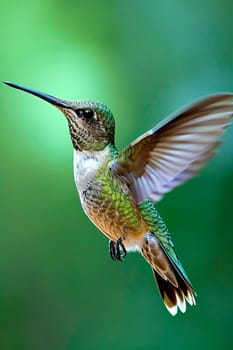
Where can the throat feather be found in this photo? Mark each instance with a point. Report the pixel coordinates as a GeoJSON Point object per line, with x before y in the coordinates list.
{"type": "Point", "coordinates": [87, 165]}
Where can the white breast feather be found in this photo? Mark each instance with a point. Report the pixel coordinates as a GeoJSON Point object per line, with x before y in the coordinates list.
{"type": "Point", "coordinates": [86, 165]}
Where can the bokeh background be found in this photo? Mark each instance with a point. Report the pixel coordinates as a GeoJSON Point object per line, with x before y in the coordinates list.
{"type": "Point", "coordinates": [58, 287]}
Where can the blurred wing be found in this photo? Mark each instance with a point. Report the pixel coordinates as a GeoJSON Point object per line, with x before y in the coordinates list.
{"type": "Point", "coordinates": [175, 150]}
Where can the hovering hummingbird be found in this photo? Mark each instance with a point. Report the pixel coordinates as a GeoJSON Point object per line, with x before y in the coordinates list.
{"type": "Point", "coordinates": [118, 190]}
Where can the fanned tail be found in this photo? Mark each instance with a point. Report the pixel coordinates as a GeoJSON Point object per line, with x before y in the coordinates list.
{"type": "Point", "coordinates": [173, 284]}
{"type": "Point", "coordinates": [175, 297]}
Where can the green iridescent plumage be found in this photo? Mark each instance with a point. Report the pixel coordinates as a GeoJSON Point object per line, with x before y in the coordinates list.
{"type": "Point", "coordinates": [159, 228]}
{"type": "Point", "coordinates": [118, 190]}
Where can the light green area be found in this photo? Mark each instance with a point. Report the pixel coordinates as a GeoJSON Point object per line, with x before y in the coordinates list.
{"type": "Point", "coordinates": [144, 59]}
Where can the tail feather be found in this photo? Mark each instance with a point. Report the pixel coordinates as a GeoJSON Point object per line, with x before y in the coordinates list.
{"type": "Point", "coordinates": [173, 284]}
{"type": "Point", "coordinates": [175, 298]}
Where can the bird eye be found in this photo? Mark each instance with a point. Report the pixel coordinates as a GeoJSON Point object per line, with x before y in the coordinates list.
{"type": "Point", "coordinates": [86, 113]}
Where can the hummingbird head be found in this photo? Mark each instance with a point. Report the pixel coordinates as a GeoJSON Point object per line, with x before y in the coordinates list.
{"type": "Point", "coordinates": [91, 123]}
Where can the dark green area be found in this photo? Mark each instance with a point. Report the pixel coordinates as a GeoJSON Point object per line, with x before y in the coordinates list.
{"type": "Point", "coordinates": [144, 59]}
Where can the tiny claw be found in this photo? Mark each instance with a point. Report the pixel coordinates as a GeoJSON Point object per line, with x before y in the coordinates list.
{"type": "Point", "coordinates": [119, 245]}
{"type": "Point", "coordinates": [112, 250]}
{"type": "Point", "coordinates": [117, 250]}
{"type": "Point", "coordinates": [124, 251]}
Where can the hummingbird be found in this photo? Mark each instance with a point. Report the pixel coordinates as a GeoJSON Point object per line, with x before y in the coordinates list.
{"type": "Point", "coordinates": [119, 190]}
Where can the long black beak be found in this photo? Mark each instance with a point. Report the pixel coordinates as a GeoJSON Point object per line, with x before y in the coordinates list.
{"type": "Point", "coordinates": [51, 99]}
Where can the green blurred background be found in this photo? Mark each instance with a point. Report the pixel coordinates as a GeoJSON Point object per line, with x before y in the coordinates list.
{"type": "Point", "coordinates": [58, 287]}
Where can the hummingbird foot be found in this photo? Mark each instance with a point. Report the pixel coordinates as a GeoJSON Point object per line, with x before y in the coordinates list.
{"type": "Point", "coordinates": [117, 250]}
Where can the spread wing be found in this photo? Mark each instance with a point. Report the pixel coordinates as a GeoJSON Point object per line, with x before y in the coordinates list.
{"type": "Point", "coordinates": [175, 150]}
